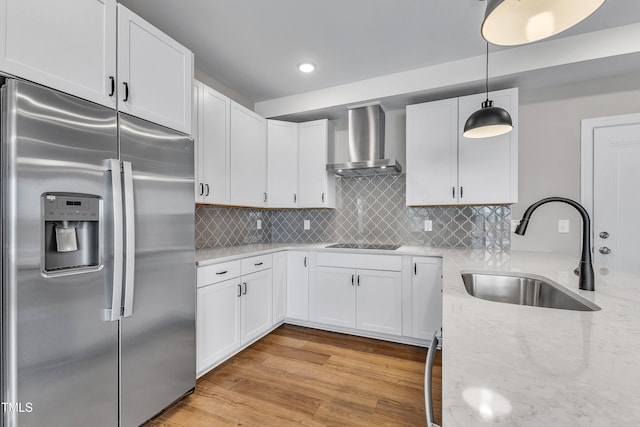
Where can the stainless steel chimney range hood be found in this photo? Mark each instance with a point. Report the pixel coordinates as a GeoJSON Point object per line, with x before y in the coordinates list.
{"type": "Point", "coordinates": [366, 145]}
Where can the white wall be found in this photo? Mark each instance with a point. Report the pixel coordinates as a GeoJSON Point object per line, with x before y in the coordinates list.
{"type": "Point", "coordinates": [549, 153]}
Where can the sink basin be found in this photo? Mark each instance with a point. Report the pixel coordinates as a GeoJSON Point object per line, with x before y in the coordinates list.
{"type": "Point", "coordinates": [523, 289]}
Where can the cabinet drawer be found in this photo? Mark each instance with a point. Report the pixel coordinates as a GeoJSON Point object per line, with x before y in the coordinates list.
{"type": "Point", "coordinates": [256, 263]}
{"type": "Point", "coordinates": [217, 273]}
{"type": "Point", "coordinates": [366, 261]}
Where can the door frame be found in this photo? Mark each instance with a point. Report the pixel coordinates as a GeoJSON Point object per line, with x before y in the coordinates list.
{"type": "Point", "coordinates": [588, 127]}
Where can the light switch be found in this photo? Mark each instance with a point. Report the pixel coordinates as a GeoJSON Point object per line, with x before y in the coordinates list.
{"type": "Point", "coordinates": [307, 224]}
{"type": "Point", "coordinates": [563, 226]}
{"type": "Point", "coordinates": [428, 225]}
{"type": "Point", "coordinates": [259, 224]}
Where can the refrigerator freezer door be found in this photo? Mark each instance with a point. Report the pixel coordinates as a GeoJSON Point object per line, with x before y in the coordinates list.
{"type": "Point", "coordinates": [58, 353]}
{"type": "Point", "coordinates": [158, 337]}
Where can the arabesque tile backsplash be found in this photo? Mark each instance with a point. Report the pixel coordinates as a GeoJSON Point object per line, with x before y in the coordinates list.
{"type": "Point", "coordinates": [368, 210]}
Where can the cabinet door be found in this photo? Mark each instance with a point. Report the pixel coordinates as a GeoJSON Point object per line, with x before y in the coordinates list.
{"type": "Point", "coordinates": [316, 186]}
{"type": "Point", "coordinates": [198, 143]}
{"type": "Point", "coordinates": [379, 301]}
{"type": "Point", "coordinates": [279, 287]}
{"type": "Point", "coordinates": [68, 45]}
{"type": "Point", "coordinates": [298, 285]}
{"type": "Point", "coordinates": [218, 323]}
{"type": "Point", "coordinates": [282, 164]}
{"type": "Point", "coordinates": [216, 146]}
{"type": "Point", "coordinates": [155, 74]}
{"type": "Point", "coordinates": [426, 296]}
{"type": "Point", "coordinates": [248, 164]}
{"type": "Point", "coordinates": [488, 167]}
{"type": "Point", "coordinates": [335, 296]}
{"type": "Point", "coordinates": [257, 300]}
{"type": "Point", "coordinates": [432, 157]}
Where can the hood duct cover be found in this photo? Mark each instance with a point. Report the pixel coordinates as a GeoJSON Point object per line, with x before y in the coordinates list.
{"type": "Point", "coordinates": [366, 145]}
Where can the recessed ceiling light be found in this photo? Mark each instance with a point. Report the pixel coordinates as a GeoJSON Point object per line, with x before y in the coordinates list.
{"type": "Point", "coordinates": [306, 67]}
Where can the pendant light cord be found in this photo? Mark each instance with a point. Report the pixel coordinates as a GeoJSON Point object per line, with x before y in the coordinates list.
{"type": "Point", "coordinates": [486, 80]}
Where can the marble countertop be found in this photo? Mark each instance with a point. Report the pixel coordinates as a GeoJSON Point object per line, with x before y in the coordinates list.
{"type": "Point", "coordinates": [512, 365]}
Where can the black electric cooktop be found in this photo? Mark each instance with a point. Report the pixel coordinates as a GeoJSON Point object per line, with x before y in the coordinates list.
{"type": "Point", "coordinates": [364, 246]}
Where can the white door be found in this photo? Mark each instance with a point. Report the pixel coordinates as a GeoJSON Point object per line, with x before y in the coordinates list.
{"type": "Point", "coordinates": [198, 148]}
{"type": "Point", "coordinates": [298, 285]}
{"type": "Point", "coordinates": [432, 153]}
{"type": "Point", "coordinates": [248, 164]}
{"type": "Point", "coordinates": [218, 323]}
{"type": "Point", "coordinates": [216, 146]}
{"type": "Point", "coordinates": [488, 167]}
{"type": "Point", "coordinates": [68, 45]}
{"type": "Point", "coordinates": [257, 300]}
{"type": "Point", "coordinates": [282, 164]}
{"type": "Point", "coordinates": [315, 185]}
{"type": "Point", "coordinates": [279, 286]}
{"type": "Point", "coordinates": [426, 297]}
{"type": "Point", "coordinates": [379, 301]}
{"type": "Point", "coordinates": [616, 196]}
{"type": "Point", "coordinates": [335, 296]}
{"type": "Point", "coordinates": [155, 73]}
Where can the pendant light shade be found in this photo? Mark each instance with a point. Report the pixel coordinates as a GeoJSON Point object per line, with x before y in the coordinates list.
{"type": "Point", "coordinates": [488, 121]}
{"type": "Point", "coordinates": [516, 22]}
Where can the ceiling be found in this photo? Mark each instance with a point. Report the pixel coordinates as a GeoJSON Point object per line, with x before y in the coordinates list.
{"type": "Point", "coordinates": [254, 46]}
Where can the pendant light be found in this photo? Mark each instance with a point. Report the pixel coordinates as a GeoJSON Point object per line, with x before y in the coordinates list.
{"type": "Point", "coordinates": [488, 121]}
{"type": "Point", "coordinates": [516, 22]}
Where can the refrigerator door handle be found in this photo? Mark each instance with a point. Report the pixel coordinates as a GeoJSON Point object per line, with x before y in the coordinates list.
{"type": "Point", "coordinates": [113, 165]}
{"type": "Point", "coordinates": [130, 240]}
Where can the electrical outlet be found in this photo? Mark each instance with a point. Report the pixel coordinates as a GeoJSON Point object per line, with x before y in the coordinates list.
{"type": "Point", "coordinates": [428, 225]}
{"type": "Point", "coordinates": [514, 224]}
{"type": "Point", "coordinates": [307, 224]}
{"type": "Point", "coordinates": [563, 226]}
{"type": "Point", "coordinates": [259, 224]}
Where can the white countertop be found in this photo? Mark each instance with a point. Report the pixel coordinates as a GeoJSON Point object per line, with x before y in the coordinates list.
{"type": "Point", "coordinates": [527, 366]}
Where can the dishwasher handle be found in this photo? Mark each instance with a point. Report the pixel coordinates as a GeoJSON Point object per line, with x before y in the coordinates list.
{"type": "Point", "coordinates": [428, 380]}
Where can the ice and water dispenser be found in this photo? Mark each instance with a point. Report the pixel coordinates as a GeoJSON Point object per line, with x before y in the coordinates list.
{"type": "Point", "coordinates": [71, 233]}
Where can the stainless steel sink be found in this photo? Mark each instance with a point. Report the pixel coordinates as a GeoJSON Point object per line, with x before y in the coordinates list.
{"type": "Point", "coordinates": [523, 289]}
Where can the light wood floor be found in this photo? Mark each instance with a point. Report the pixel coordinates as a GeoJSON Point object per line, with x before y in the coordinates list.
{"type": "Point", "coordinates": [302, 376]}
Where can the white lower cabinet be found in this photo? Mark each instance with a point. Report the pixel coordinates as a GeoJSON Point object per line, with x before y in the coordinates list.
{"type": "Point", "coordinates": [218, 322]}
{"type": "Point", "coordinates": [279, 287]}
{"type": "Point", "coordinates": [256, 304]}
{"type": "Point", "coordinates": [397, 298]}
{"type": "Point", "coordinates": [335, 297]}
{"type": "Point", "coordinates": [379, 301]}
{"type": "Point", "coordinates": [426, 297]}
{"type": "Point", "coordinates": [370, 300]}
{"type": "Point", "coordinates": [234, 312]}
{"type": "Point", "coordinates": [298, 285]}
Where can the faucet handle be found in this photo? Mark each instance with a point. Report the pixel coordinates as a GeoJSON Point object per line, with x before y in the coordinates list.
{"type": "Point", "coordinates": [604, 250]}
{"type": "Point", "coordinates": [603, 234]}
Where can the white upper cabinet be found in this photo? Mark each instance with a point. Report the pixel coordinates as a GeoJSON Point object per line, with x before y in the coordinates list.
{"type": "Point", "coordinates": [488, 167]}
{"type": "Point", "coordinates": [155, 73]}
{"type": "Point", "coordinates": [316, 187]}
{"type": "Point", "coordinates": [282, 169]}
{"type": "Point", "coordinates": [248, 164]}
{"type": "Point", "coordinates": [432, 152]}
{"type": "Point", "coordinates": [445, 168]}
{"type": "Point", "coordinates": [68, 45]}
{"type": "Point", "coordinates": [211, 132]}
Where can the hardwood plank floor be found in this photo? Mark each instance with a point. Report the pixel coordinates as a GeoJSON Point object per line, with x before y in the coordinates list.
{"type": "Point", "coordinates": [303, 376]}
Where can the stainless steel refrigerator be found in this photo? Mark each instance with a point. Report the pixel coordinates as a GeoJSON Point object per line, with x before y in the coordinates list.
{"type": "Point", "coordinates": [98, 263]}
